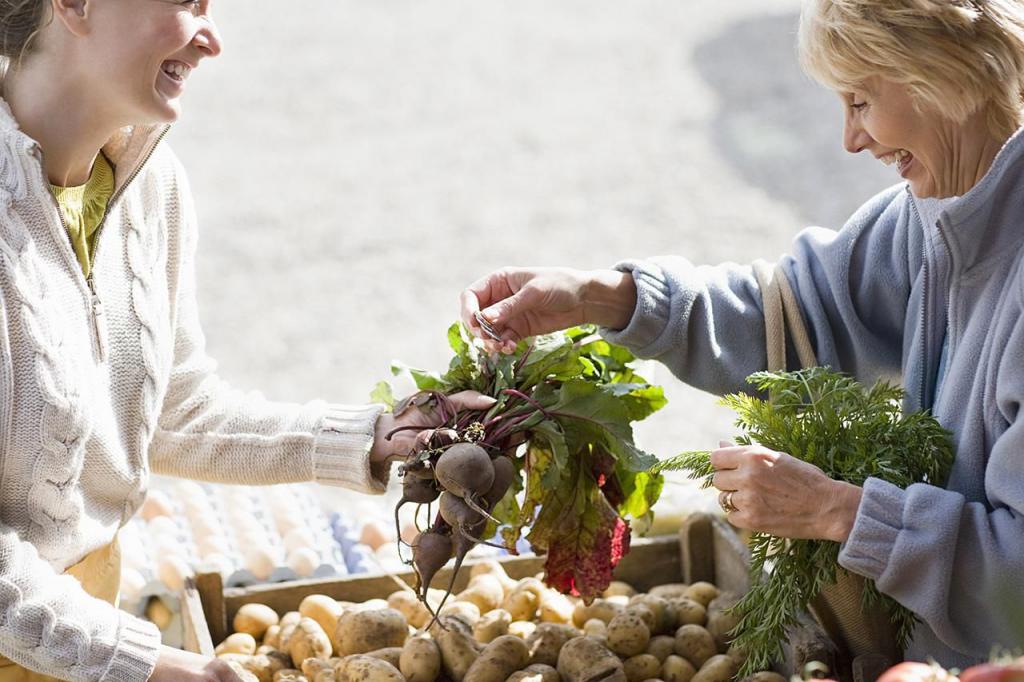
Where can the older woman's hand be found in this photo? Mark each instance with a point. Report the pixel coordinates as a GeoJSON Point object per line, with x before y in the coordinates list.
{"type": "Point", "coordinates": [772, 492]}
{"type": "Point", "coordinates": [522, 302]}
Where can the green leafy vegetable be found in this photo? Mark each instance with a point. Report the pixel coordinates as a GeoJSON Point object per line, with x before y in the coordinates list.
{"type": "Point", "coordinates": [566, 403]}
{"type": "Point", "coordinates": [851, 433]}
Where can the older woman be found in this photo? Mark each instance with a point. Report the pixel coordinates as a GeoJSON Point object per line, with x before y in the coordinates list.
{"type": "Point", "coordinates": [924, 283]}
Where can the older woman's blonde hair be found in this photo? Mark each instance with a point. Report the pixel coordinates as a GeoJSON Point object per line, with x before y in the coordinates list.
{"type": "Point", "coordinates": [954, 56]}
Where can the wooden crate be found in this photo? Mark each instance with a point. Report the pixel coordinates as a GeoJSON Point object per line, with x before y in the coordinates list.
{"type": "Point", "coordinates": [705, 549]}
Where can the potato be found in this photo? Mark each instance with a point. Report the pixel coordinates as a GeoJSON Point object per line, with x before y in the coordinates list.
{"type": "Point", "coordinates": [583, 659]}
{"type": "Point", "coordinates": [765, 676]}
{"type": "Point", "coordinates": [669, 590]}
{"type": "Point", "coordinates": [366, 669]}
{"type": "Point", "coordinates": [466, 610]}
{"type": "Point", "coordinates": [502, 657]}
{"type": "Point", "coordinates": [601, 609]}
{"type": "Point", "coordinates": [738, 655]}
{"type": "Point", "coordinates": [243, 674]}
{"type": "Point", "coordinates": [522, 628]}
{"type": "Point", "coordinates": [702, 593]}
{"type": "Point", "coordinates": [271, 636]}
{"type": "Point", "coordinates": [721, 623]}
{"type": "Point", "coordinates": [686, 611]}
{"type": "Point", "coordinates": [420, 660]}
{"type": "Point", "coordinates": [325, 611]}
{"type": "Point", "coordinates": [718, 668]}
{"type": "Point", "coordinates": [641, 667]}
{"type": "Point", "coordinates": [619, 600]}
{"type": "Point", "coordinates": [556, 608]}
{"type": "Point", "coordinates": [616, 587]}
{"type": "Point", "coordinates": [677, 669]}
{"type": "Point", "coordinates": [595, 627]}
{"type": "Point", "coordinates": [661, 647]}
{"type": "Point", "coordinates": [547, 640]}
{"type": "Point", "coordinates": [695, 644]}
{"type": "Point", "coordinates": [628, 634]}
{"type": "Point", "coordinates": [491, 567]}
{"type": "Point", "coordinates": [646, 615]}
{"type": "Point", "coordinates": [409, 605]}
{"type": "Point", "coordinates": [454, 638]}
{"type": "Point", "coordinates": [368, 605]}
{"type": "Point", "coordinates": [360, 631]}
{"type": "Point", "coordinates": [311, 666]}
{"type": "Point", "coordinates": [309, 641]}
{"type": "Point", "coordinates": [238, 643]}
{"type": "Point", "coordinates": [290, 675]}
{"type": "Point", "coordinates": [664, 617]}
{"type": "Point", "coordinates": [391, 654]}
{"type": "Point", "coordinates": [492, 625]}
{"type": "Point", "coordinates": [485, 591]}
{"type": "Point", "coordinates": [255, 619]}
{"type": "Point", "coordinates": [325, 676]}
{"type": "Point", "coordinates": [521, 604]}
{"type": "Point", "coordinates": [289, 621]}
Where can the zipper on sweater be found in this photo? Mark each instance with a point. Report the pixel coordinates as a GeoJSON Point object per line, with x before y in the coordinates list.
{"type": "Point", "coordinates": [924, 306]}
{"type": "Point", "coordinates": [99, 320]}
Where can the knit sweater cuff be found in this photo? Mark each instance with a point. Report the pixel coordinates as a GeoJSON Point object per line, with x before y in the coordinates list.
{"type": "Point", "coordinates": [341, 451]}
{"type": "Point", "coordinates": [878, 523]}
{"type": "Point", "coordinates": [138, 647]}
{"type": "Point", "coordinates": [653, 305]}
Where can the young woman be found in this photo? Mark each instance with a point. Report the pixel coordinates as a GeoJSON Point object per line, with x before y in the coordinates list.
{"type": "Point", "coordinates": [924, 284]}
{"type": "Point", "coordinates": [103, 373]}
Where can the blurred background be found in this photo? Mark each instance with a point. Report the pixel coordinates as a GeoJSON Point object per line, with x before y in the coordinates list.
{"type": "Point", "coordinates": [356, 163]}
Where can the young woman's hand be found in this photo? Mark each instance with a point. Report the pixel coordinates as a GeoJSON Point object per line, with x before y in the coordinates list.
{"type": "Point", "coordinates": [772, 492]}
{"type": "Point", "coordinates": [421, 425]}
{"type": "Point", "coordinates": [522, 302]}
{"type": "Point", "coordinates": [175, 665]}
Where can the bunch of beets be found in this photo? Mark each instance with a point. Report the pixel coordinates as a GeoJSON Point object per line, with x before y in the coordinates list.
{"type": "Point", "coordinates": [554, 456]}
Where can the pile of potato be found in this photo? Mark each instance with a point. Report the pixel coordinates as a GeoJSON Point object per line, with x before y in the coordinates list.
{"type": "Point", "coordinates": [497, 629]}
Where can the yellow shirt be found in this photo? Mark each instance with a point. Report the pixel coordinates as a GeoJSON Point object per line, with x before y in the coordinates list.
{"type": "Point", "coordinates": [83, 208]}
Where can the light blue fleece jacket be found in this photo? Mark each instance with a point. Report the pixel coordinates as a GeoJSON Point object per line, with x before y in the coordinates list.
{"type": "Point", "coordinates": [877, 297]}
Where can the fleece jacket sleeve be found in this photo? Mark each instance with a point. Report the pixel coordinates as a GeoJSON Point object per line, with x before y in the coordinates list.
{"type": "Point", "coordinates": [706, 323]}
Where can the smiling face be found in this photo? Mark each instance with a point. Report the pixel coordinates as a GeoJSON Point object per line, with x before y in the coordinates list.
{"type": "Point", "coordinates": [140, 53]}
{"type": "Point", "coordinates": [938, 156]}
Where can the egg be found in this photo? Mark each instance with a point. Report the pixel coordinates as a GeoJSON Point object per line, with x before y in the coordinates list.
{"type": "Point", "coordinates": [388, 556]}
{"type": "Point", "coordinates": [212, 544]}
{"type": "Point", "coordinates": [304, 561]}
{"type": "Point", "coordinates": [286, 524]}
{"type": "Point", "coordinates": [374, 535]}
{"type": "Point", "coordinates": [172, 571]}
{"type": "Point", "coordinates": [260, 562]}
{"type": "Point", "coordinates": [409, 532]}
{"type": "Point", "coordinates": [188, 489]}
{"type": "Point", "coordinates": [217, 563]}
{"type": "Point", "coordinates": [157, 504]}
{"type": "Point", "coordinates": [159, 613]}
{"type": "Point", "coordinates": [166, 545]}
{"type": "Point", "coordinates": [163, 525]}
{"type": "Point", "coordinates": [132, 583]}
{"type": "Point", "coordinates": [298, 538]}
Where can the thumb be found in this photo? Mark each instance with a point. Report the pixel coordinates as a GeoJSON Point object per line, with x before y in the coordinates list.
{"type": "Point", "coordinates": [726, 444]}
{"type": "Point", "coordinates": [506, 310]}
{"type": "Point", "coordinates": [472, 400]}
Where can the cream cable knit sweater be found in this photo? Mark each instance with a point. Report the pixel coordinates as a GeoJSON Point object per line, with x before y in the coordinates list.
{"type": "Point", "coordinates": [97, 391]}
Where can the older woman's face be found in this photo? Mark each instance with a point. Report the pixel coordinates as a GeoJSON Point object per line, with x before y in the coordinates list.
{"type": "Point", "coordinates": [938, 157]}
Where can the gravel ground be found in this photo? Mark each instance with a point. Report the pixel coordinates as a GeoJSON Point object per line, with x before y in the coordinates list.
{"type": "Point", "coordinates": [356, 163]}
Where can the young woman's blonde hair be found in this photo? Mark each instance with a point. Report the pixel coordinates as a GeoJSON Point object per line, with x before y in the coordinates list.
{"type": "Point", "coordinates": [954, 56]}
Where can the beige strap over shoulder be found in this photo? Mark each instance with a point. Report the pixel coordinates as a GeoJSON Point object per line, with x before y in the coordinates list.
{"type": "Point", "coordinates": [868, 637]}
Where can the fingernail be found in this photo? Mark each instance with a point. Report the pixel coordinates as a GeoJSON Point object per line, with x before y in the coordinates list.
{"type": "Point", "coordinates": [725, 444]}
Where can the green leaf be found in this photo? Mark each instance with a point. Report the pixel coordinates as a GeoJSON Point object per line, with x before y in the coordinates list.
{"type": "Point", "coordinates": [640, 399]}
{"type": "Point", "coordinates": [382, 394]}
{"type": "Point", "coordinates": [642, 489]}
{"type": "Point", "coordinates": [425, 381]}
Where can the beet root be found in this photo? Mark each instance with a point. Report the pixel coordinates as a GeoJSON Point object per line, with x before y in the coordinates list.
{"type": "Point", "coordinates": [431, 550]}
{"type": "Point", "coordinates": [465, 469]}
